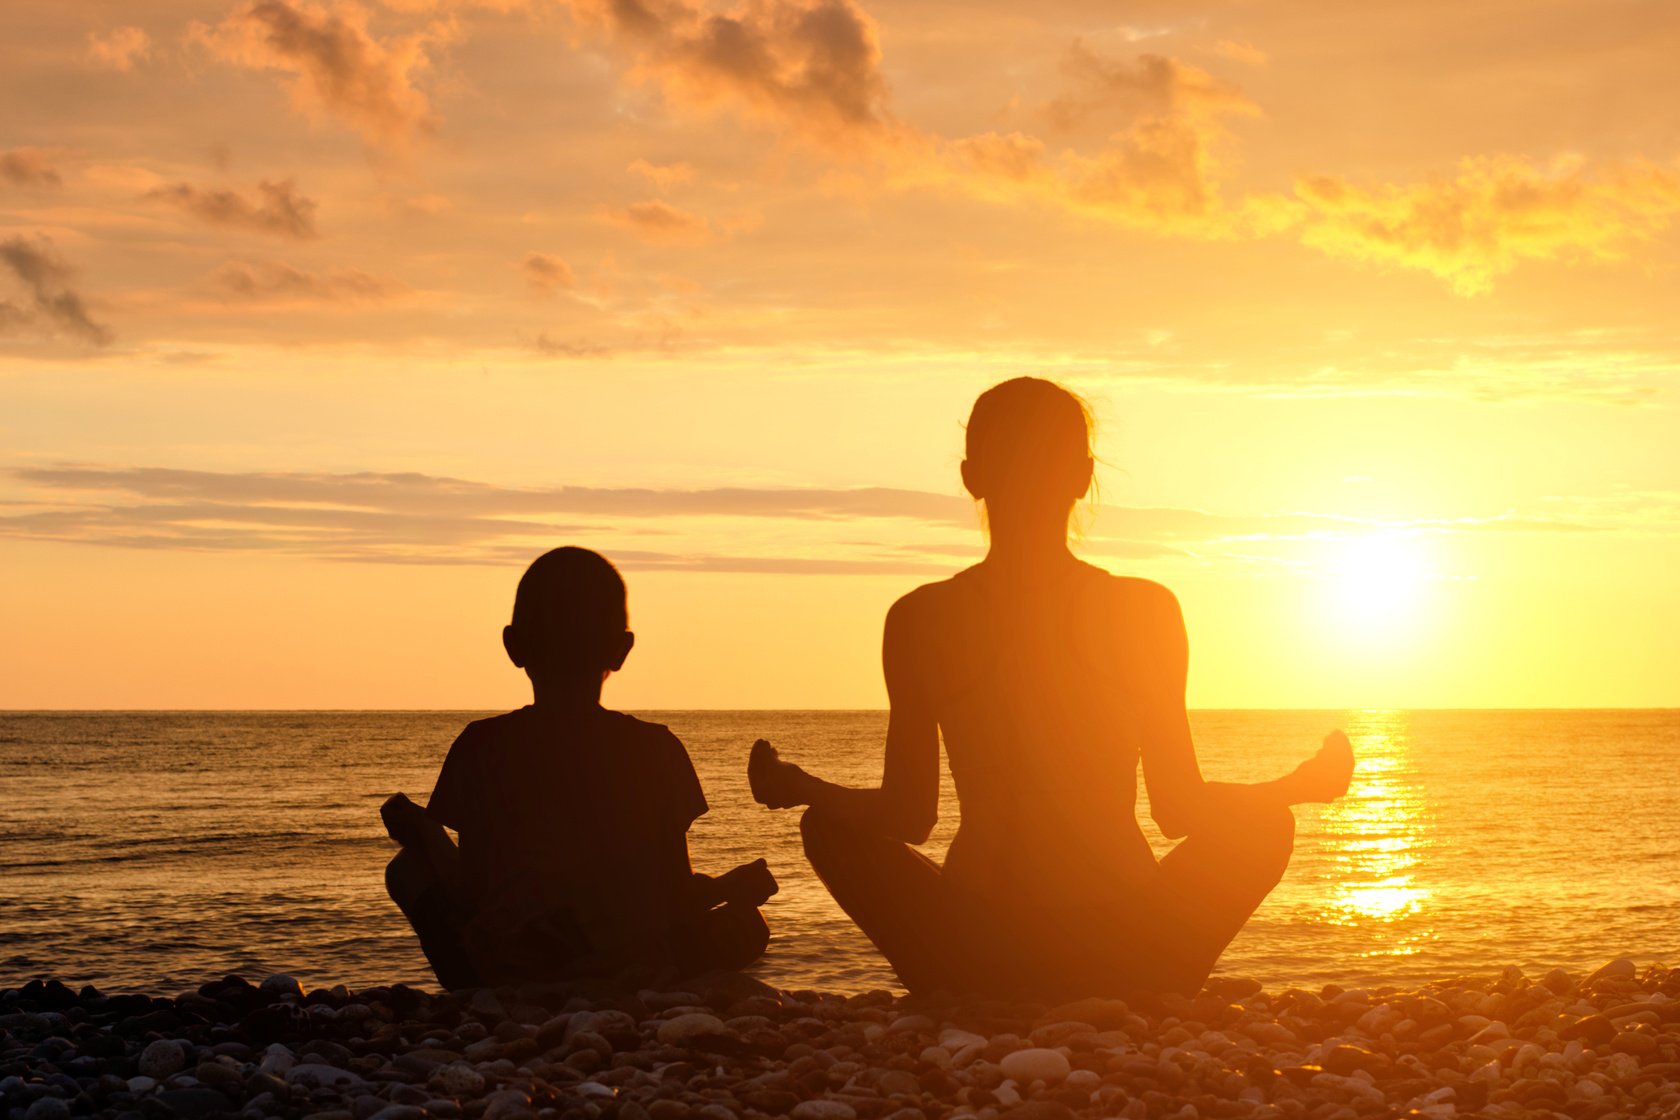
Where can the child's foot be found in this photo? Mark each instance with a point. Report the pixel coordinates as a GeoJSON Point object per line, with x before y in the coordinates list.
{"type": "Point", "coordinates": [774, 783]}
{"type": "Point", "coordinates": [1325, 776]}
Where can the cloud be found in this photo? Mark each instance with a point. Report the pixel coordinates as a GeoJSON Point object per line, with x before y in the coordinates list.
{"type": "Point", "coordinates": [279, 208]}
{"type": "Point", "coordinates": [119, 49]}
{"type": "Point", "coordinates": [549, 346]}
{"type": "Point", "coordinates": [664, 176]}
{"type": "Point", "coordinates": [814, 65]}
{"type": "Point", "coordinates": [1153, 167]}
{"type": "Point", "coordinates": [1494, 214]}
{"type": "Point", "coordinates": [658, 221]}
{"type": "Point", "coordinates": [1115, 93]}
{"type": "Point", "coordinates": [1238, 51]}
{"type": "Point", "coordinates": [28, 167]}
{"type": "Point", "coordinates": [415, 518]}
{"type": "Point", "coordinates": [548, 274]}
{"type": "Point", "coordinates": [1148, 131]}
{"type": "Point", "coordinates": [49, 301]}
{"type": "Point", "coordinates": [279, 282]}
{"type": "Point", "coordinates": [337, 65]}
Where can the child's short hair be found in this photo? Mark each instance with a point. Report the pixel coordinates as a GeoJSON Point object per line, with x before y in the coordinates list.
{"type": "Point", "coordinates": [571, 610]}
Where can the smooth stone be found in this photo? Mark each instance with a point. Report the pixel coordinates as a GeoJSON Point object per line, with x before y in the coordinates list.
{"type": "Point", "coordinates": [399, 1112]}
{"type": "Point", "coordinates": [281, 985]}
{"type": "Point", "coordinates": [487, 1003]}
{"type": "Point", "coordinates": [1087, 1079]}
{"type": "Point", "coordinates": [1034, 1064]}
{"type": "Point", "coordinates": [1042, 1110]}
{"type": "Point", "coordinates": [1619, 969]}
{"type": "Point", "coordinates": [276, 1060]}
{"type": "Point", "coordinates": [919, 1024]}
{"type": "Point", "coordinates": [608, 1024]}
{"type": "Point", "coordinates": [696, 1026]}
{"type": "Point", "coordinates": [822, 1110]}
{"type": "Point", "coordinates": [898, 1082]}
{"type": "Point", "coordinates": [506, 1103]}
{"type": "Point", "coordinates": [47, 1108]}
{"type": "Point", "coordinates": [953, 1039]}
{"type": "Point", "coordinates": [195, 1101]}
{"type": "Point", "coordinates": [162, 1059]}
{"type": "Point", "coordinates": [319, 1075]}
{"type": "Point", "coordinates": [141, 1085]}
{"type": "Point", "coordinates": [458, 1079]}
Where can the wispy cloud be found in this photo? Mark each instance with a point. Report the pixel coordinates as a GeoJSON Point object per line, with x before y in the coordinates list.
{"type": "Point", "coordinates": [279, 282]}
{"type": "Point", "coordinates": [337, 65]}
{"type": "Point", "coordinates": [814, 66]}
{"type": "Point", "coordinates": [49, 302]}
{"type": "Point", "coordinates": [657, 221]}
{"type": "Point", "coordinates": [548, 274]}
{"type": "Point", "coordinates": [278, 208]}
{"type": "Point", "coordinates": [120, 48]}
{"type": "Point", "coordinates": [28, 167]}
{"type": "Point", "coordinates": [415, 518]}
{"type": "Point", "coordinates": [1492, 215]}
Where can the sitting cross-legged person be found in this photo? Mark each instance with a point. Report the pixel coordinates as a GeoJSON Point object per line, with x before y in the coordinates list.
{"type": "Point", "coordinates": [572, 819]}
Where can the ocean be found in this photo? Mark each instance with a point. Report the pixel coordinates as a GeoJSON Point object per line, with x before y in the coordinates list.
{"type": "Point", "coordinates": [154, 850]}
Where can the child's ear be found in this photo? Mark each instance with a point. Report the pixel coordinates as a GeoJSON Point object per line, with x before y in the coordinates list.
{"type": "Point", "coordinates": [620, 651]}
{"type": "Point", "coordinates": [514, 647]}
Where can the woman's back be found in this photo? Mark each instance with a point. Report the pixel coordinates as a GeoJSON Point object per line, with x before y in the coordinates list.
{"type": "Point", "coordinates": [1030, 678]}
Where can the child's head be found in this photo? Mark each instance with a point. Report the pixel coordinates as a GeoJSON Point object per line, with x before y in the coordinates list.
{"type": "Point", "coordinates": [570, 617]}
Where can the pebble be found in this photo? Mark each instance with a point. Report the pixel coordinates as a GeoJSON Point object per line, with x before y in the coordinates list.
{"type": "Point", "coordinates": [692, 1028]}
{"type": "Point", "coordinates": [161, 1059]}
{"type": "Point", "coordinates": [457, 1080]}
{"type": "Point", "coordinates": [1035, 1064]}
{"type": "Point", "coordinates": [1499, 1046]}
{"type": "Point", "coordinates": [280, 985]}
{"type": "Point", "coordinates": [823, 1110]}
{"type": "Point", "coordinates": [47, 1108]}
{"type": "Point", "coordinates": [319, 1075]}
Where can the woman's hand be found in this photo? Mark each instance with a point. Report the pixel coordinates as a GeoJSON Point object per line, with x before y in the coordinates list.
{"type": "Point", "coordinates": [1324, 776]}
{"type": "Point", "coordinates": [775, 784]}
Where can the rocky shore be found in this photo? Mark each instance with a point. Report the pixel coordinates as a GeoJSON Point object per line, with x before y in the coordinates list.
{"type": "Point", "coordinates": [1596, 1047]}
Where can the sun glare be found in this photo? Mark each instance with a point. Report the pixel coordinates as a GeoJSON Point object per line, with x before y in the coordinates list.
{"type": "Point", "coordinates": [1378, 583]}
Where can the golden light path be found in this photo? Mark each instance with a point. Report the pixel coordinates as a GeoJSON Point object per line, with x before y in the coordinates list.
{"type": "Point", "coordinates": [1375, 840]}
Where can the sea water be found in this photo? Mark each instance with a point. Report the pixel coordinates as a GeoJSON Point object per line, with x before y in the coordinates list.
{"type": "Point", "coordinates": [154, 850]}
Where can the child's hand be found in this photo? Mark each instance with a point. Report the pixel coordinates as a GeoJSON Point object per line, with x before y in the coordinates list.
{"type": "Point", "coordinates": [751, 884]}
{"type": "Point", "coordinates": [775, 784]}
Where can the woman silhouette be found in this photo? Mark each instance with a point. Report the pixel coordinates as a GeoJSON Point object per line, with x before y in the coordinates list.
{"type": "Point", "coordinates": [1049, 679]}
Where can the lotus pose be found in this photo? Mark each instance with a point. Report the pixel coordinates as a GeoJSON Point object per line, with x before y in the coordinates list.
{"type": "Point", "coordinates": [1049, 680]}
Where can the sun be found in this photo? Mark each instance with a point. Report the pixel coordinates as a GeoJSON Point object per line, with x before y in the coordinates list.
{"type": "Point", "coordinates": [1378, 583]}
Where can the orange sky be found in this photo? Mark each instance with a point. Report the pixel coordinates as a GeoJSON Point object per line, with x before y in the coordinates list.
{"type": "Point", "coordinates": [318, 320]}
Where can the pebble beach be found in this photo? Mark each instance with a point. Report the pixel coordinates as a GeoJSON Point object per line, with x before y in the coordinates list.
{"type": "Point", "coordinates": [1587, 1047]}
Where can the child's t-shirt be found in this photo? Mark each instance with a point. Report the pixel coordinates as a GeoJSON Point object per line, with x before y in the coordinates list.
{"type": "Point", "coordinates": [573, 840]}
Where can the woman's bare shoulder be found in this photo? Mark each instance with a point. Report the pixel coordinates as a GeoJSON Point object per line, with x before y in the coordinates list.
{"type": "Point", "coordinates": [1135, 599]}
{"type": "Point", "coordinates": [928, 599]}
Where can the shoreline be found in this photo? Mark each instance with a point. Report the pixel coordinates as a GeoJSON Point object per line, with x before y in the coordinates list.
{"type": "Point", "coordinates": [1587, 1047]}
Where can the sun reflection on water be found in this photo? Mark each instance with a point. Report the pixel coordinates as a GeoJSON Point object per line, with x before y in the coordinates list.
{"type": "Point", "coordinates": [1375, 841]}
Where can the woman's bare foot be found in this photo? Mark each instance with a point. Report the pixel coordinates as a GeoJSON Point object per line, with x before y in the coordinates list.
{"type": "Point", "coordinates": [775, 784]}
{"type": "Point", "coordinates": [1325, 776]}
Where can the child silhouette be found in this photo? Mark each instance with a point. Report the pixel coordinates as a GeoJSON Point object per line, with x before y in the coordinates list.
{"type": "Point", "coordinates": [573, 819]}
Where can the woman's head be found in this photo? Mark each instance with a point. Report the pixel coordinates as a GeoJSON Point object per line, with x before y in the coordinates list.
{"type": "Point", "coordinates": [1029, 449]}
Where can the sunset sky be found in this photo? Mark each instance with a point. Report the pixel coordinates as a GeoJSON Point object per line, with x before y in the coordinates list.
{"type": "Point", "coordinates": [319, 320]}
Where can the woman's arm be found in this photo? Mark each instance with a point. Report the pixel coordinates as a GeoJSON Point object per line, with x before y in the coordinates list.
{"type": "Point", "coordinates": [1181, 801]}
{"type": "Point", "coordinates": [906, 803]}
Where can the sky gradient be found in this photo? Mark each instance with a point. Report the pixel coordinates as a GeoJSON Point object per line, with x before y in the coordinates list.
{"type": "Point", "coordinates": [319, 320]}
